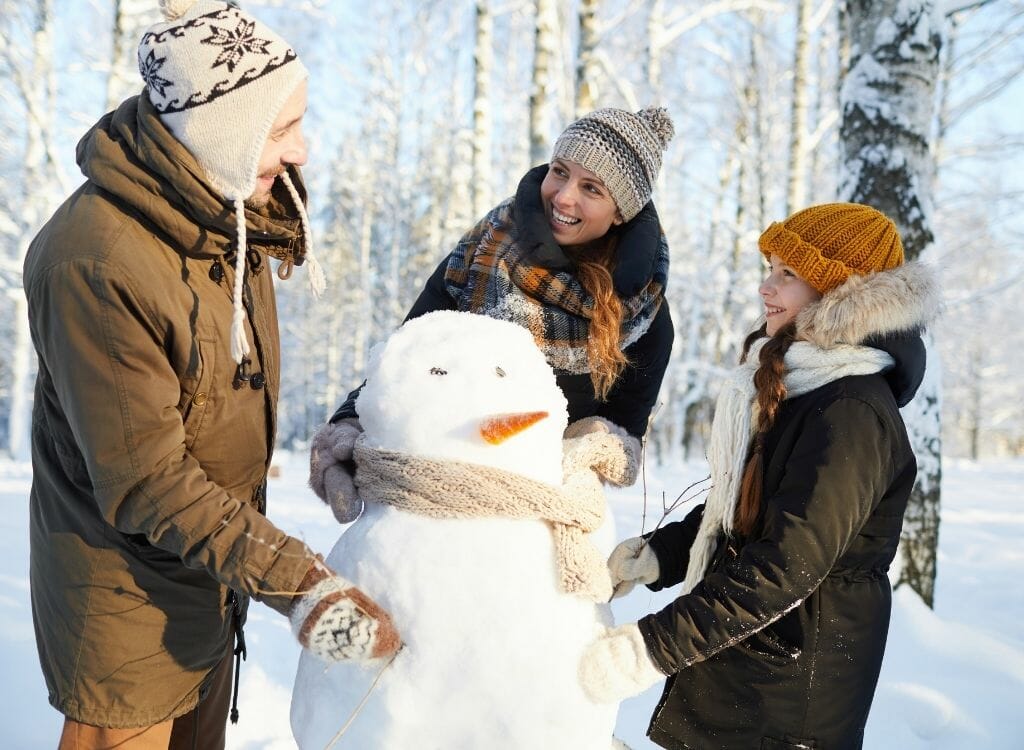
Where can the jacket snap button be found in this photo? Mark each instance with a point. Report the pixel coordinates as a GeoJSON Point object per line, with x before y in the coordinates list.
{"type": "Point", "coordinates": [199, 399]}
{"type": "Point", "coordinates": [257, 381]}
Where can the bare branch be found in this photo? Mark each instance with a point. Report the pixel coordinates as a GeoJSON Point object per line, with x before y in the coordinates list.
{"type": "Point", "coordinates": [965, 8]}
{"type": "Point", "coordinates": [624, 87]}
{"type": "Point", "coordinates": [684, 19]}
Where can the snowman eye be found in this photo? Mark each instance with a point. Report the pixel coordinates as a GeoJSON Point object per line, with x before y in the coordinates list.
{"type": "Point", "coordinates": [500, 372]}
{"type": "Point", "coordinates": [438, 371]}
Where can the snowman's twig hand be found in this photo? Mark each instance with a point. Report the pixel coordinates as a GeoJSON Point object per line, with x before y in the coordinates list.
{"type": "Point", "coordinates": [366, 697]}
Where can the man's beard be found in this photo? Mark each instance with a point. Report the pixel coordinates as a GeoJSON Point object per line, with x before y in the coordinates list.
{"type": "Point", "coordinates": [257, 201]}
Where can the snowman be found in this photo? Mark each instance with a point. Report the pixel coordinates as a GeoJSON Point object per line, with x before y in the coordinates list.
{"type": "Point", "coordinates": [489, 559]}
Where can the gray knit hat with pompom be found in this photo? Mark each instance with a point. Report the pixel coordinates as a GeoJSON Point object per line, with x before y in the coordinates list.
{"type": "Point", "coordinates": [622, 148]}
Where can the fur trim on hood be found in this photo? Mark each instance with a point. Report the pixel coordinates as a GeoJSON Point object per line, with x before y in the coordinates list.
{"type": "Point", "coordinates": [906, 298]}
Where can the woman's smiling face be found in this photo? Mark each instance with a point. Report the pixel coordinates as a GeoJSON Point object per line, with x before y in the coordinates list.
{"type": "Point", "coordinates": [577, 204]}
{"type": "Point", "coordinates": [784, 295]}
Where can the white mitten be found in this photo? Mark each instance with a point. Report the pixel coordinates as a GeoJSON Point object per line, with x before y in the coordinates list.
{"type": "Point", "coordinates": [632, 562]}
{"type": "Point", "coordinates": [616, 666]}
{"type": "Point", "coordinates": [336, 621]}
{"type": "Point", "coordinates": [331, 468]}
{"type": "Point", "coordinates": [595, 443]}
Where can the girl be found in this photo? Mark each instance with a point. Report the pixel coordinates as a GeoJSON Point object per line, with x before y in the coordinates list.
{"type": "Point", "coordinates": [578, 258]}
{"type": "Point", "coordinates": [777, 639]}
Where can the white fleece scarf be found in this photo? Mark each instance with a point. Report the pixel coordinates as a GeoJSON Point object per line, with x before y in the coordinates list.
{"type": "Point", "coordinates": [807, 367]}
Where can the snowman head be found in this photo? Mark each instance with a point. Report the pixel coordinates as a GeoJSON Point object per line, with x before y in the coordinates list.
{"type": "Point", "coordinates": [454, 385]}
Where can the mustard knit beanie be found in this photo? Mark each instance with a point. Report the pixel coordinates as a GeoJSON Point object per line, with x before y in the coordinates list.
{"type": "Point", "coordinates": [826, 244]}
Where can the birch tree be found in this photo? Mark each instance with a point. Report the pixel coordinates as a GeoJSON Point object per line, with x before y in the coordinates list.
{"type": "Point", "coordinates": [586, 58]}
{"type": "Point", "coordinates": [131, 18]}
{"type": "Point", "coordinates": [30, 68]}
{"type": "Point", "coordinates": [483, 58]}
{"type": "Point", "coordinates": [977, 211]}
{"type": "Point", "coordinates": [796, 192]}
{"type": "Point", "coordinates": [542, 87]}
{"type": "Point", "coordinates": [888, 105]}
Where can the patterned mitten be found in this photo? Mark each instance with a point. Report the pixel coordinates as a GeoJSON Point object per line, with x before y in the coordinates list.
{"type": "Point", "coordinates": [603, 446]}
{"type": "Point", "coordinates": [338, 622]}
{"type": "Point", "coordinates": [616, 666]}
{"type": "Point", "coordinates": [331, 468]}
{"type": "Point", "coordinates": [632, 562]}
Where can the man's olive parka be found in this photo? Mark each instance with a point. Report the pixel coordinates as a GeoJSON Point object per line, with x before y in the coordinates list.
{"type": "Point", "coordinates": [149, 465]}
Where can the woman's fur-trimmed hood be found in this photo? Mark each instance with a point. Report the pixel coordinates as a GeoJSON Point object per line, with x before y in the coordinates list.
{"type": "Point", "coordinates": [905, 299]}
{"type": "Point", "coordinates": [887, 310]}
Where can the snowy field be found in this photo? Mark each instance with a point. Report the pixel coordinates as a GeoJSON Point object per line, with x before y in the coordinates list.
{"type": "Point", "coordinates": [952, 678]}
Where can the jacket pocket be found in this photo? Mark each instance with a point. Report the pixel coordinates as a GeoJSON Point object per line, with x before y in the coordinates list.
{"type": "Point", "coordinates": [141, 549]}
{"type": "Point", "coordinates": [72, 463]}
{"type": "Point", "coordinates": [787, 743]}
{"type": "Point", "coordinates": [766, 645]}
{"type": "Point", "coordinates": [197, 393]}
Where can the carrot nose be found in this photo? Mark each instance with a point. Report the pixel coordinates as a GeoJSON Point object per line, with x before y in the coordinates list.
{"type": "Point", "coordinates": [501, 427]}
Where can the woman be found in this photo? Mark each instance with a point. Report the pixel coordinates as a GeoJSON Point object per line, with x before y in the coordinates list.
{"type": "Point", "coordinates": [578, 258]}
{"type": "Point", "coordinates": [777, 639]}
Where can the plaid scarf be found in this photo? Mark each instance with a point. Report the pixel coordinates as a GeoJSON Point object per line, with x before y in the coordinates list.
{"type": "Point", "coordinates": [509, 267]}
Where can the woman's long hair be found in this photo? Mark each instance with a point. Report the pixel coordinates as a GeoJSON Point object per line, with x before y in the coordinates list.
{"type": "Point", "coordinates": [770, 392]}
{"type": "Point", "coordinates": [594, 264]}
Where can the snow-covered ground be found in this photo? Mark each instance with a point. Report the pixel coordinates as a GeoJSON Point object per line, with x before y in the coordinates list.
{"type": "Point", "coordinates": [952, 678]}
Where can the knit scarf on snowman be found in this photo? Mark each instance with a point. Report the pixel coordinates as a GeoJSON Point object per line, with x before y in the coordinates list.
{"type": "Point", "coordinates": [807, 367]}
{"type": "Point", "coordinates": [451, 489]}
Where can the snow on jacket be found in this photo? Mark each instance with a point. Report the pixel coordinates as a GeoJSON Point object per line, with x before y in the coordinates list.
{"type": "Point", "coordinates": [149, 466]}
{"type": "Point", "coordinates": [518, 227]}
{"type": "Point", "coordinates": [780, 645]}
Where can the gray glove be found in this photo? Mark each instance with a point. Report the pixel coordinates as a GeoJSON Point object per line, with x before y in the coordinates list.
{"type": "Point", "coordinates": [632, 562]}
{"type": "Point", "coordinates": [331, 469]}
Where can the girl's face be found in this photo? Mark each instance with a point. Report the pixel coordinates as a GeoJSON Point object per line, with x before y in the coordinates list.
{"type": "Point", "coordinates": [784, 294]}
{"type": "Point", "coordinates": [578, 206]}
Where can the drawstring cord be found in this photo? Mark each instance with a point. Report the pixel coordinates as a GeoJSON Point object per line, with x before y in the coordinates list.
{"type": "Point", "coordinates": [240, 653]}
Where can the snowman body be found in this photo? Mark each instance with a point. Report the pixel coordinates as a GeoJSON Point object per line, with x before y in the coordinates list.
{"type": "Point", "coordinates": [491, 643]}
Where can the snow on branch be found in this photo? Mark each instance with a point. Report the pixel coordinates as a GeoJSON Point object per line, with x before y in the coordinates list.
{"type": "Point", "coordinates": [684, 18]}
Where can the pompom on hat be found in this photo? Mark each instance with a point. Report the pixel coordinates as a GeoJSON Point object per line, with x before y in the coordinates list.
{"type": "Point", "coordinates": [828, 243]}
{"type": "Point", "coordinates": [622, 148]}
{"type": "Point", "coordinates": [219, 78]}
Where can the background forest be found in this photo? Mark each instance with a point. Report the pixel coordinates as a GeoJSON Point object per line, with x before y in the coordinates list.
{"type": "Point", "coordinates": [423, 115]}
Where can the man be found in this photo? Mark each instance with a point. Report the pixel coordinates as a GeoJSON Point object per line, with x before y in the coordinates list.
{"type": "Point", "coordinates": [152, 312]}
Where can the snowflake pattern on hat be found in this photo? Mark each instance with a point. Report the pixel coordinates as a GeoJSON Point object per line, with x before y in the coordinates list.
{"type": "Point", "coordinates": [228, 50]}
{"type": "Point", "coordinates": [149, 68]}
{"type": "Point", "coordinates": [236, 43]}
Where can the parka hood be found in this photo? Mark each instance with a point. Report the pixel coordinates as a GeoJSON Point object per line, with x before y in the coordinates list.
{"type": "Point", "coordinates": [130, 154]}
{"type": "Point", "coordinates": [887, 310]}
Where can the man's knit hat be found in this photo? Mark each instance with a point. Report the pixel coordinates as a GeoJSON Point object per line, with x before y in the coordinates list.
{"type": "Point", "coordinates": [219, 78]}
{"type": "Point", "coordinates": [826, 244]}
{"type": "Point", "coordinates": [622, 148]}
